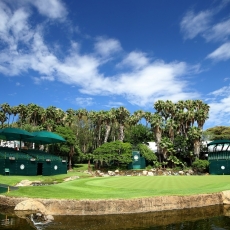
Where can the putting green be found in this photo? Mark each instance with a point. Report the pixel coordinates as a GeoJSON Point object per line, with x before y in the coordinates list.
{"type": "Point", "coordinates": [128, 187]}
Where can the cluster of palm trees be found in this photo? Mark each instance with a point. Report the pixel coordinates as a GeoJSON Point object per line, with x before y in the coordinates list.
{"type": "Point", "coordinates": [178, 128]}
{"type": "Point", "coordinates": [175, 126]}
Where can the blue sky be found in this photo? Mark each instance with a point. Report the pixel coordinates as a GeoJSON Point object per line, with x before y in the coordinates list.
{"type": "Point", "coordinates": [99, 54]}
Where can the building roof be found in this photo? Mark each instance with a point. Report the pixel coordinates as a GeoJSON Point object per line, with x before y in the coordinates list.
{"type": "Point", "coordinates": [216, 142]}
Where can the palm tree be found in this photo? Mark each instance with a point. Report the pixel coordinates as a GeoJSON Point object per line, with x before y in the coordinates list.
{"type": "Point", "coordinates": [6, 109]}
{"type": "Point", "coordinates": [201, 115]}
{"type": "Point", "coordinates": [195, 134]}
{"type": "Point", "coordinates": [69, 118]}
{"type": "Point", "coordinates": [156, 122]}
{"type": "Point", "coordinates": [171, 127]}
{"type": "Point", "coordinates": [33, 114]}
{"type": "Point", "coordinates": [122, 115]}
{"type": "Point", "coordinates": [22, 111]}
{"type": "Point", "coordinates": [14, 110]}
{"type": "Point", "coordinates": [109, 118]}
{"type": "Point", "coordinates": [3, 118]}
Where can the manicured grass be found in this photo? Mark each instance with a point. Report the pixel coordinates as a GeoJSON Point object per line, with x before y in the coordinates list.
{"type": "Point", "coordinates": [77, 171]}
{"type": "Point", "coordinates": [127, 187]}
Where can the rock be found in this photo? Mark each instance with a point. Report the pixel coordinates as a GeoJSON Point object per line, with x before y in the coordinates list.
{"type": "Point", "coordinates": [117, 171]}
{"type": "Point", "coordinates": [150, 174]}
{"type": "Point", "coordinates": [111, 173]}
{"type": "Point", "coordinates": [226, 197]}
{"type": "Point", "coordinates": [181, 173]}
{"type": "Point", "coordinates": [30, 205]}
{"type": "Point", "coordinates": [24, 183]}
{"type": "Point", "coordinates": [72, 178]}
{"type": "Point", "coordinates": [50, 217]}
{"type": "Point", "coordinates": [190, 171]}
{"type": "Point", "coordinates": [145, 173]}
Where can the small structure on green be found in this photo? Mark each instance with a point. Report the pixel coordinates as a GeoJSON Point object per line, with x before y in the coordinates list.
{"type": "Point", "coordinates": [219, 157]}
{"type": "Point", "coordinates": [30, 162]}
{"type": "Point", "coordinates": [138, 161]}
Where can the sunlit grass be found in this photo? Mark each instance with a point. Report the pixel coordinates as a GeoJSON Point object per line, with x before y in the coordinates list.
{"type": "Point", "coordinates": [127, 187]}
{"type": "Point", "coordinates": [77, 171]}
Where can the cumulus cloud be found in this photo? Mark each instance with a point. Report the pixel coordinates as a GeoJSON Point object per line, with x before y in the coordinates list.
{"type": "Point", "coordinates": [106, 47]}
{"type": "Point", "coordinates": [144, 82]}
{"type": "Point", "coordinates": [135, 60]}
{"type": "Point", "coordinates": [54, 9]}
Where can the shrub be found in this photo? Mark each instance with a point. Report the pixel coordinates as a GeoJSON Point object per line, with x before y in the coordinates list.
{"type": "Point", "coordinates": [200, 165]}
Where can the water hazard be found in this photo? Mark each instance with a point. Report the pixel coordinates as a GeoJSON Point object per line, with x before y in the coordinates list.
{"type": "Point", "coordinates": [208, 218]}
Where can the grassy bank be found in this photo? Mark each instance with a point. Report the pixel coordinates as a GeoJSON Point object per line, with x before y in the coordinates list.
{"type": "Point", "coordinates": [125, 187]}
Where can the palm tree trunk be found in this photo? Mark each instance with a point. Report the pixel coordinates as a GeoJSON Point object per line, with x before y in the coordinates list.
{"type": "Point", "coordinates": [108, 128]}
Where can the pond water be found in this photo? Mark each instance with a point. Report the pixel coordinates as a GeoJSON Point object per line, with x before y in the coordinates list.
{"type": "Point", "coordinates": [208, 218]}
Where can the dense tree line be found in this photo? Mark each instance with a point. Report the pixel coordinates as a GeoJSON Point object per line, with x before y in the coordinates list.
{"type": "Point", "coordinates": [175, 127]}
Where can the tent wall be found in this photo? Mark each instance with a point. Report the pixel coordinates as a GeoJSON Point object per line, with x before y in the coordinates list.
{"type": "Point", "coordinates": [53, 168]}
{"type": "Point", "coordinates": [30, 168]}
{"type": "Point", "coordinates": [219, 163]}
{"type": "Point", "coordinates": [21, 167]}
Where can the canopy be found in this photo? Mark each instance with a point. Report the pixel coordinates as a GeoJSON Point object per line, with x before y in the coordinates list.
{"type": "Point", "coordinates": [45, 137]}
{"type": "Point", "coordinates": [14, 133]}
{"type": "Point", "coordinates": [216, 142]}
{"type": "Point", "coordinates": [10, 134]}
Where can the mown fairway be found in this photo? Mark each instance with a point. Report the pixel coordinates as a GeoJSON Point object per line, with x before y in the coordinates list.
{"type": "Point", "coordinates": [128, 187]}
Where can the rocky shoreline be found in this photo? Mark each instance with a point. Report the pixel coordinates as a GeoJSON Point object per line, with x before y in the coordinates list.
{"type": "Point", "coordinates": [114, 206]}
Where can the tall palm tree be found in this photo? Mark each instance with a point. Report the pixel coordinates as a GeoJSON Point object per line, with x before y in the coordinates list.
{"type": "Point", "coordinates": [3, 118]}
{"type": "Point", "coordinates": [156, 122]}
{"type": "Point", "coordinates": [195, 134]}
{"type": "Point", "coordinates": [69, 118]}
{"type": "Point", "coordinates": [6, 109]}
{"type": "Point", "coordinates": [22, 111]}
{"type": "Point", "coordinates": [201, 115]}
{"type": "Point", "coordinates": [171, 127]}
{"type": "Point", "coordinates": [122, 115]}
{"type": "Point", "coordinates": [109, 118]}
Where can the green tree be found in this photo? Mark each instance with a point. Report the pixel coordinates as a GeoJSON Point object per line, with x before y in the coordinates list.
{"type": "Point", "coordinates": [147, 153]}
{"type": "Point", "coordinates": [69, 148]}
{"type": "Point", "coordinates": [217, 133]}
{"type": "Point", "coordinates": [115, 153]}
{"type": "Point", "coordinates": [138, 134]}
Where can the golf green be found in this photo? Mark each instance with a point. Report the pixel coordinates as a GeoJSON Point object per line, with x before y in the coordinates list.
{"type": "Point", "coordinates": [127, 187]}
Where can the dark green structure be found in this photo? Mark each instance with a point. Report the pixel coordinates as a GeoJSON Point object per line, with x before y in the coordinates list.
{"type": "Point", "coordinates": [219, 157]}
{"type": "Point", "coordinates": [30, 162]}
{"type": "Point", "coordinates": [138, 161]}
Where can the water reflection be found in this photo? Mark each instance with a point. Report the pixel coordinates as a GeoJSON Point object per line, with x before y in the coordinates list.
{"type": "Point", "coordinates": [207, 218]}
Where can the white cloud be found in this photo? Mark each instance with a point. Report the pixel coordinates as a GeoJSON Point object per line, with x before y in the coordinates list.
{"type": "Point", "coordinates": [219, 107]}
{"type": "Point", "coordinates": [219, 31]}
{"type": "Point", "coordinates": [194, 24]}
{"type": "Point", "coordinates": [203, 24]}
{"type": "Point", "coordinates": [53, 9]}
{"type": "Point", "coordinates": [221, 92]}
{"type": "Point", "coordinates": [84, 101]}
{"type": "Point", "coordinates": [135, 60]}
{"type": "Point", "coordinates": [222, 53]}
{"type": "Point", "coordinates": [14, 26]}
{"type": "Point", "coordinates": [106, 47]}
{"type": "Point", "coordinates": [219, 112]}
{"type": "Point", "coordinates": [145, 82]}
{"type": "Point", "coordinates": [114, 104]}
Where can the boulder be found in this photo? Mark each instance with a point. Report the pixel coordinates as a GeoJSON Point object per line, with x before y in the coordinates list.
{"type": "Point", "coordinates": [30, 205]}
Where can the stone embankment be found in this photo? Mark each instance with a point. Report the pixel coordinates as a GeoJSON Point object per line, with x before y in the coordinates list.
{"type": "Point", "coordinates": [115, 206]}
